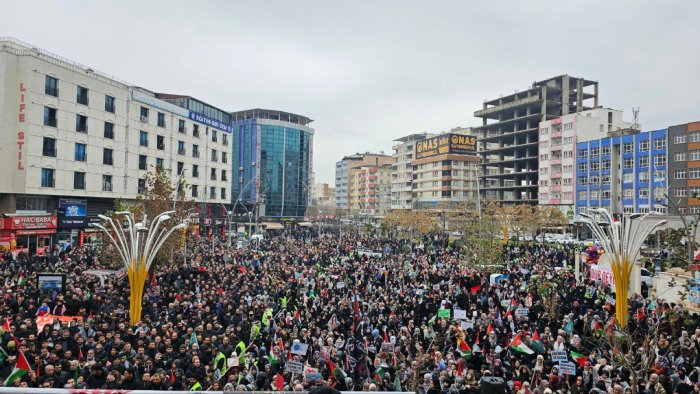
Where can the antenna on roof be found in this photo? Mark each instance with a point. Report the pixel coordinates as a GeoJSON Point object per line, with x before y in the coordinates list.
{"type": "Point", "coordinates": [635, 118]}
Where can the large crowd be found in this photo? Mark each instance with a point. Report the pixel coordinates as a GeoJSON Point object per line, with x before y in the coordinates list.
{"type": "Point", "coordinates": [293, 314]}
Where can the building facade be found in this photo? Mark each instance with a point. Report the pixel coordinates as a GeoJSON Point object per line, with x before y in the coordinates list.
{"type": "Point", "coordinates": [509, 134]}
{"type": "Point", "coordinates": [272, 163]}
{"type": "Point", "coordinates": [557, 152]}
{"type": "Point", "coordinates": [347, 201]}
{"type": "Point", "coordinates": [76, 139]}
{"type": "Point", "coordinates": [370, 190]}
{"type": "Point", "coordinates": [624, 173]}
{"type": "Point", "coordinates": [402, 170]}
{"type": "Point", "coordinates": [323, 194]}
{"type": "Point", "coordinates": [684, 168]}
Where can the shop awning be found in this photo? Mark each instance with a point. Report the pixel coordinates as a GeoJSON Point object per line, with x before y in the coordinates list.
{"type": "Point", "coordinates": [305, 224]}
{"type": "Point", "coordinates": [273, 226]}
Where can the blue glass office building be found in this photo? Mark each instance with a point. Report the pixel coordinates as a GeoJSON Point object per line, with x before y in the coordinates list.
{"type": "Point", "coordinates": [272, 163]}
{"type": "Point", "coordinates": [624, 173]}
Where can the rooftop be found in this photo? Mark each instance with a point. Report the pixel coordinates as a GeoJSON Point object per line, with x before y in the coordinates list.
{"type": "Point", "coordinates": [260, 113]}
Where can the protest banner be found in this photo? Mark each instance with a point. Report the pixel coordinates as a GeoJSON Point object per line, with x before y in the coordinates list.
{"type": "Point", "coordinates": [460, 314]}
{"type": "Point", "coordinates": [444, 313]}
{"type": "Point", "coordinates": [567, 368]}
{"type": "Point", "coordinates": [293, 366]}
{"type": "Point", "coordinates": [559, 356]}
{"type": "Point", "coordinates": [521, 312]}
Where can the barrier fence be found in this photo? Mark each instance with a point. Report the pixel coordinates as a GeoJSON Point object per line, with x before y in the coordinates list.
{"type": "Point", "coordinates": [16, 390]}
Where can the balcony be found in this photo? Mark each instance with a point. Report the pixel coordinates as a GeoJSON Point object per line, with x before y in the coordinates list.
{"type": "Point", "coordinates": [555, 188]}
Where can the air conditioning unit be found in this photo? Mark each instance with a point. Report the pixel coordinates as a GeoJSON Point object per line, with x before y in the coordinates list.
{"type": "Point", "coordinates": [252, 163]}
{"type": "Point", "coordinates": [240, 168]}
{"type": "Point", "coordinates": [144, 119]}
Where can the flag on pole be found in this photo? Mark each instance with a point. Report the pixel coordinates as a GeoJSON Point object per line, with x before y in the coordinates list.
{"type": "Point", "coordinates": [489, 329]}
{"type": "Point", "coordinates": [518, 345]}
{"type": "Point", "coordinates": [536, 343]}
{"type": "Point", "coordinates": [21, 368]}
{"type": "Point", "coordinates": [579, 358]}
{"type": "Point", "coordinates": [463, 348]}
{"type": "Point", "coordinates": [474, 289]}
{"type": "Point", "coordinates": [5, 327]}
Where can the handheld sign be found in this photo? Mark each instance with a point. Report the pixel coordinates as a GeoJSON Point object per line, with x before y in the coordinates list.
{"type": "Point", "coordinates": [294, 367]}
{"type": "Point", "coordinates": [567, 368]}
{"type": "Point", "coordinates": [521, 312]}
{"type": "Point", "coordinates": [460, 314]}
{"type": "Point", "coordinates": [444, 313]}
{"type": "Point", "coordinates": [559, 356]}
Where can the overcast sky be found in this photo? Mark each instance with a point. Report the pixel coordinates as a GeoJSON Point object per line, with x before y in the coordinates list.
{"type": "Point", "coordinates": [368, 72]}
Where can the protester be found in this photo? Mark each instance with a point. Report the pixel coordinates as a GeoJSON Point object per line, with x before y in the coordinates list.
{"type": "Point", "coordinates": [245, 319]}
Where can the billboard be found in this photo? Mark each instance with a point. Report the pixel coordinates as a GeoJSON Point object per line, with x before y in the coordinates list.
{"type": "Point", "coordinates": [456, 144]}
{"type": "Point", "coordinates": [72, 213]}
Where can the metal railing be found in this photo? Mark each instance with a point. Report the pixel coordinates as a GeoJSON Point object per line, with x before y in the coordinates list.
{"type": "Point", "coordinates": [16, 390]}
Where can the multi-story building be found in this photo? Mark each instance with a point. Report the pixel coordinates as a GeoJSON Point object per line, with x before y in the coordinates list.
{"type": "Point", "coordinates": [323, 194]}
{"type": "Point", "coordinates": [370, 190]}
{"type": "Point", "coordinates": [402, 170]}
{"type": "Point", "coordinates": [345, 201]}
{"type": "Point", "coordinates": [272, 163]}
{"type": "Point", "coordinates": [557, 152]}
{"type": "Point", "coordinates": [624, 173]}
{"type": "Point", "coordinates": [75, 139]}
{"type": "Point", "coordinates": [509, 134]}
{"type": "Point", "coordinates": [684, 168]}
{"type": "Point", "coordinates": [445, 171]}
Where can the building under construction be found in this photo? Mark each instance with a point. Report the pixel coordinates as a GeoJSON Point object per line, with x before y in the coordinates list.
{"type": "Point", "coordinates": [508, 137]}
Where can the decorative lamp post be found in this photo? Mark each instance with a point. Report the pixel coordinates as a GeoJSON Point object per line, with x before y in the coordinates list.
{"type": "Point", "coordinates": [137, 245]}
{"type": "Point", "coordinates": [623, 240]}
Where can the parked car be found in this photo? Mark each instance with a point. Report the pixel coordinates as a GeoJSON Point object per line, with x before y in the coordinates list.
{"type": "Point", "coordinates": [648, 277]}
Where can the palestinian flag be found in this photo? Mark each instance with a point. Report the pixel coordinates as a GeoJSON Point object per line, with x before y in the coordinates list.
{"type": "Point", "coordinates": [513, 306]}
{"type": "Point", "coordinates": [489, 329]}
{"type": "Point", "coordinates": [464, 350]}
{"type": "Point", "coordinates": [536, 343]}
{"type": "Point", "coordinates": [518, 345]}
{"type": "Point", "coordinates": [579, 358]}
{"type": "Point", "coordinates": [21, 369]}
{"type": "Point", "coordinates": [379, 373]}
{"type": "Point", "coordinates": [5, 327]}
{"type": "Point", "coordinates": [336, 372]}
{"type": "Point", "coordinates": [597, 328]}
{"type": "Point", "coordinates": [474, 289]}
{"type": "Point", "coordinates": [271, 356]}
{"type": "Point", "coordinates": [22, 280]}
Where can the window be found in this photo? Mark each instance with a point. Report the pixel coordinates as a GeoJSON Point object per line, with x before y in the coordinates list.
{"type": "Point", "coordinates": [568, 154]}
{"type": "Point", "coordinates": [582, 153]}
{"type": "Point", "coordinates": [214, 136]}
{"type": "Point", "coordinates": [568, 126]}
{"type": "Point", "coordinates": [181, 147]}
{"type": "Point", "coordinates": [213, 174]}
{"type": "Point", "coordinates": [643, 177]}
{"type": "Point", "coordinates": [694, 155]}
{"type": "Point", "coordinates": [224, 139]}
{"type": "Point", "coordinates": [106, 183]}
{"type": "Point", "coordinates": [80, 152]}
{"type": "Point", "coordinates": [695, 136]}
{"type": "Point", "coordinates": [595, 166]}
{"type": "Point", "coordinates": [659, 160]}
{"type": "Point", "coordinates": [659, 143]}
{"type": "Point", "coordinates": [627, 194]}
{"type": "Point", "coordinates": [212, 192]}
{"type": "Point", "coordinates": [695, 209]}
{"type": "Point", "coordinates": [224, 156]}
{"type": "Point", "coordinates": [582, 195]}
{"type": "Point", "coordinates": [680, 156]}
{"type": "Point", "coordinates": [180, 168]}
{"type": "Point", "coordinates": [47, 179]}
{"type": "Point", "coordinates": [582, 180]}
{"type": "Point", "coordinates": [627, 177]}
{"type": "Point", "coordinates": [694, 173]}
{"type": "Point", "coordinates": [694, 192]}
{"type": "Point", "coordinates": [143, 162]}
{"type": "Point", "coordinates": [161, 119]}
{"type": "Point", "coordinates": [181, 126]}
{"type": "Point", "coordinates": [644, 145]}
{"type": "Point", "coordinates": [223, 176]}
{"type": "Point", "coordinates": [659, 176]}
{"type": "Point", "coordinates": [143, 138]}
{"type": "Point", "coordinates": [51, 86]}
{"type": "Point", "coordinates": [82, 96]}
{"type": "Point", "coordinates": [49, 147]}
{"type": "Point", "coordinates": [605, 179]}
{"type": "Point", "coordinates": [50, 116]}
{"type": "Point", "coordinates": [79, 180]}
{"type": "Point", "coordinates": [644, 209]}
{"type": "Point", "coordinates": [643, 193]}
{"type": "Point", "coordinates": [195, 171]}
{"type": "Point", "coordinates": [568, 140]}
{"type": "Point", "coordinates": [680, 138]}
{"type": "Point", "coordinates": [159, 162]}
{"type": "Point", "coordinates": [109, 104]}
{"type": "Point", "coordinates": [594, 180]}
{"type": "Point", "coordinates": [81, 124]}
{"type": "Point", "coordinates": [544, 156]}
{"type": "Point", "coordinates": [628, 162]}
{"type": "Point", "coordinates": [109, 130]}
{"type": "Point", "coordinates": [606, 164]}
{"type": "Point", "coordinates": [195, 150]}
{"type": "Point", "coordinates": [195, 130]}
{"type": "Point", "coordinates": [627, 147]}
{"type": "Point", "coordinates": [223, 193]}
{"type": "Point", "coordinates": [581, 167]}
{"type": "Point", "coordinates": [605, 151]}
{"type": "Point", "coordinates": [644, 161]}
{"type": "Point", "coordinates": [144, 114]}
{"type": "Point", "coordinates": [594, 194]}
{"type": "Point", "coordinates": [595, 152]}
{"type": "Point", "coordinates": [195, 193]}
{"type": "Point", "coordinates": [141, 188]}
{"type": "Point", "coordinates": [107, 156]}
{"type": "Point", "coordinates": [214, 155]}
{"type": "Point", "coordinates": [160, 142]}
{"type": "Point", "coordinates": [605, 194]}
{"type": "Point", "coordinates": [679, 174]}
{"type": "Point", "coordinates": [544, 144]}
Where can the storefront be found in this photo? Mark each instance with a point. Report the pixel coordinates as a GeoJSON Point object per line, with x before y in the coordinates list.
{"type": "Point", "coordinates": [30, 234]}
{"type": "Point", "coordinates": [72, 218]}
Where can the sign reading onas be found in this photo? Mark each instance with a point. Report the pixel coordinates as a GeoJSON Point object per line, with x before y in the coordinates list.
{"type": "Point", "coordinates": [457, 144]}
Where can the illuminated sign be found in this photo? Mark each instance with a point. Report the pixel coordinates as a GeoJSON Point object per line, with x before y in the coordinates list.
{"type": "Point", "coordinates": [210, 122]}
{"type": "Point", "coordinates": [456, 144]}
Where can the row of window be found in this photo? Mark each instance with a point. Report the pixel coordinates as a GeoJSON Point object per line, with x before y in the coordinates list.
{"type": "Point", "coordinates": [628, 162]}
{"type": "Point", "coordinates": [693, 136]}
{"type": "Point", "coordinates": [627, 147]}
{"type": "Point", "coordinates": [49, 149]}
{"type": "Point", "coordinates": [82, 94]}
{"type": "Point", "coordinates": [693, 192]}
{"type": "Point", "coordinates": [689, 155]}
{"type": "Point", "coordinates": [627, 194]}
{"type": "Point", "coordinates": [659, 176]}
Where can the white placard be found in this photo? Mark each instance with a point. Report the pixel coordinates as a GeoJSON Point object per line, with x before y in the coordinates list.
{"type": "Point", "coordinates": [567, 368]}
{"type": "Point", "coordinates": [460, 314]}
{"type": "Point", "coordinates": [559, 356]}
{"type": "Point", "coordinates": [610, 300]}
{"type": "Point", "coordinates": [521, 312]}
{"type": "Point", "coordinates": [294, 367]}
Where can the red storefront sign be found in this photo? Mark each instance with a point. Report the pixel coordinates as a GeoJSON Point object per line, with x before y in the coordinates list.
{"type": "Point", "coordinates": [36, 232]}
{"type": "Point", "coordinates": [30, 223]}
